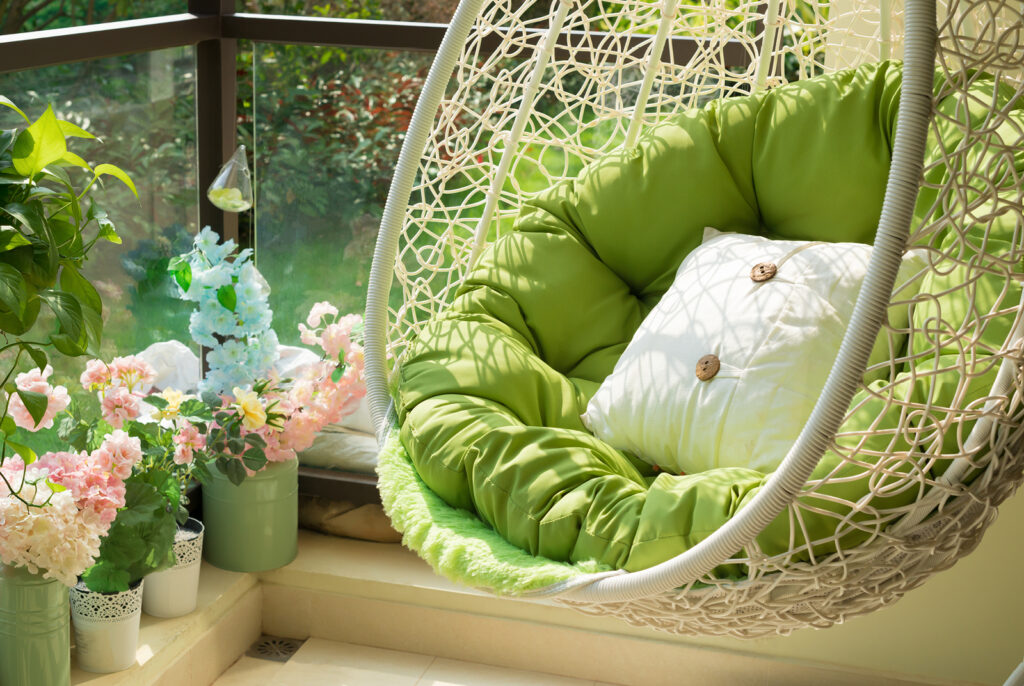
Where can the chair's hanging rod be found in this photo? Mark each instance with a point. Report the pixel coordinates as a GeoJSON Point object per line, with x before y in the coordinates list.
{"type": "Point", "coordinates": [885, 30]}
{"type": "Point", "coordinates": [543, 55]}
{"type": "Point", "coordinates": [771, 29]}
{"type": "Point", "coordinates": [668, 13]}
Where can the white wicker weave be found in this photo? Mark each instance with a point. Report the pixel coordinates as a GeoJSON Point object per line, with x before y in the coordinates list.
{"type": "Point", "coordinates": [491, 144]}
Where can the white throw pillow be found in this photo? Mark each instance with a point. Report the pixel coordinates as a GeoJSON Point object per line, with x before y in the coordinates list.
{"type": "Point", "coordinates": [773, 314]}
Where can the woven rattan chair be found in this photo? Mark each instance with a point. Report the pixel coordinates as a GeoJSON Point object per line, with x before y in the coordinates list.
{"type": "Point", "coordinates": [540, 89]}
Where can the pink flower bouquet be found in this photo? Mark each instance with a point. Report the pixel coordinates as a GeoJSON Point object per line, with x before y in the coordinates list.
{"type": "Point", "coordinates": [280, 417]}
{"type": "Point", "coordinates": [164, 445]}
{"type": "Point", "coordinates": [54, 511]}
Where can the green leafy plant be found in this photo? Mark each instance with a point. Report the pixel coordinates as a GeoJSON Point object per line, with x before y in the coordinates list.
{"type": "Point", "coordinates": [141, 537]}
{"type": "Point", "coordinates": [48, 226]}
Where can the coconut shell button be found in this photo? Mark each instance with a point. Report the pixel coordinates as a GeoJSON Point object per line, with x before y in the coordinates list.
{"type": "Point", "coordinates": [763, 271]}
{"type": "Point", "coordinates": [707, 367]}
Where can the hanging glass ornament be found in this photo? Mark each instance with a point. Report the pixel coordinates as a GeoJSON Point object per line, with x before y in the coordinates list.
{"type": "Point", "coordinates": [231, 191]}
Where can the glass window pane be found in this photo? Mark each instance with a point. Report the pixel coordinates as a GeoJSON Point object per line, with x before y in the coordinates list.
{"type": "Point", "coordinates": [143, 108]}
{"type": "Point", "coordinates": [329, 123]}
{"type": "Point", "coordinates": [437, 11]}
{"type": "Point", "coordinates": [36, 15]}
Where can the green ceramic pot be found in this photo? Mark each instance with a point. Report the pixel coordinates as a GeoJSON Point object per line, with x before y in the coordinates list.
{"type": "Point", "coordinates": [252, 527]}
{"type": "Point", "coordinates": [35, 640]}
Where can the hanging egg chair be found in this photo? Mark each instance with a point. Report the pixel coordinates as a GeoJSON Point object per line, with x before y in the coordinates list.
{"type": "Point", "coordinates": [563, 162]}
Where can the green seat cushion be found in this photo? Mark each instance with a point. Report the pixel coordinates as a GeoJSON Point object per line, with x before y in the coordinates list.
{"type": "Point", "coordinates": [491, 391]}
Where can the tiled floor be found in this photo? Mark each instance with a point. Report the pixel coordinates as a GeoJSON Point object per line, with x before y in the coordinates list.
{"type": "Point", "coordinates": [326, 663]}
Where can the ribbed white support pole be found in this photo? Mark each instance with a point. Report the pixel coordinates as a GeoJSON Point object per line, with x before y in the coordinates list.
{"type": "Point", "coordinates": [668, 14]}
{"type": "Point", "coordinates": [1017, 678]}
{"type": "Point", "coordinates": [543, 55]}
{"type": "Point", "coordinates": [885, 30]}
{"type": "Point", "coordinates": [382, 270]}
{"type": "Point", "coordinates": [764, 60]}
{"type": "Point", "coordinates": [786, 483]}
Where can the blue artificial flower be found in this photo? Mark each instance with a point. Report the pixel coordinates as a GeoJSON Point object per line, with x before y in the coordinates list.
{"type": "Point", "coordinates": [251, 348]}
{"type": "Point", "coordinates": [206, 243]}
{"type": "Point", "coordinates": [223, 320]}
{"type": "Point", "coordinates": [200, 329]}
{"type": "Point", "coordinates": [214, 277]}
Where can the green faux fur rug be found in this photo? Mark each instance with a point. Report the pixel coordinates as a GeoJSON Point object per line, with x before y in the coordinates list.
{"type": "Point", "coordinates": [455, 542]}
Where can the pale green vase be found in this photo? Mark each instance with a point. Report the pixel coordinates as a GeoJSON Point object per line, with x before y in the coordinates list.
{"type": "Point", "coordinates": [35, 639]}
{"type": "Point", "coordinates": [252, 527]}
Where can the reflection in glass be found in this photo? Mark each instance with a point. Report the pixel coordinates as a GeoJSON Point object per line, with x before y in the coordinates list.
{"type": "Point", "coordinates": [436, 11]}
{"type": "Point", "coordinates": [142, 107]}
{"type": "Point", "coordinates": [36, 15]}
{"type": "Point", "coordinates": [327, 138]}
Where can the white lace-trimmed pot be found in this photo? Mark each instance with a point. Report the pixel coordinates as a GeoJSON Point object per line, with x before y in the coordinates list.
{"type": "Point", "coordinates": [106, 627]}
{"type": "Point", "coordinates": [174, 592]}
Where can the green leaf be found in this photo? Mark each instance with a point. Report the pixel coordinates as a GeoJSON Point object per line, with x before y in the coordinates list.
{"type": "Point", "coordinates": [35, 403]}
{"type": "Point", "coordinates": [233, 469]}
{"type": "Point", "coordinates": [255, 440]}
{"type": "Point", "coordinates": [7, 137]}
{"type": "Point", "coordinates": [143, 502]}
{"type": "Point", "coordinates": [72, 347]}
{"type": "Point", "coordinates": [194, 408]}
{"type": "Point", "coordinates": [8, 426]}
{"type": "Point", "coordinates": [7, 103]}
{"type": "Point", "coordinates": [68, 312]}
{"type": "Point", "coordinates": [118, 173]}
{"type": "Point", "coordinates": [201, 472]}
{"type": "Point", "coordinates": [68, 238]}
{"type": "Point", "coordinates": [227, 298]}
{"type": "Point", "coordinates": [29, 217]}
{"type": "Point", "coordinates": [38, 356]}
{"type": "Point", "coordinates": [337, 374]}
{"type": "Point", "coordinates": [181, 270]}
{"type": "Point", "coordinates": [73, 432]}
{"type": "Point", "coordinates": [73, 130]}
{"type": "Point", "coordinates": [42, 143]}
{"type": "Point", "coordinates": [104, 577]}
{"type": "Point", "coordinates": [108, 232]}
{"type": "Point", "coordinates": [74, 160]}
{"type": "Point", "coordinates": [255, 459]}
{"type": "Point", "coordinates": [11, 239]}
{"type": "Point", "coordinates": [93, 327]}
{"type": "Point", "coordinates": [13, 290]}
{"type": "Point", "coordinates": [157, 401]}
{"type": "Point", "coordinates": [27, 454]}
{"type": "Point", "coordinates": [72, 281]}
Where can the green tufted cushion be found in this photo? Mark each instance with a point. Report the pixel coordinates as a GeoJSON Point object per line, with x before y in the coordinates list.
{"type": "Point", "coordinates": [490, 393]}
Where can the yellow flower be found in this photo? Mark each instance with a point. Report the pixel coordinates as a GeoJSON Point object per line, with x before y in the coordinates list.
{"type": "Point", "coordinates": [248, 403]}
{"type": "Point", "coordinates": [174, 400]}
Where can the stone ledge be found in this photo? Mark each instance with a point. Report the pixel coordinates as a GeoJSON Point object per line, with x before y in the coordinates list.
{"type": "Point", "coordinates": [165, 642]}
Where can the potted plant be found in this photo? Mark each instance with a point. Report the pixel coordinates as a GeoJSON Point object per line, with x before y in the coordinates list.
{"type": "Point", "coordinates": [52, 526]}
{"type": "Point", "coordinates": [259, 422]}
{"type": "Point", "coordinates": [107, 603]}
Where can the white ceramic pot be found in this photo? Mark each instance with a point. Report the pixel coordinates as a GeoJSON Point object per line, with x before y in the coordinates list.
{"type": "Point", "coordinates": [174, 592]}
{"type": "Point", "coordinates": [106, 627]}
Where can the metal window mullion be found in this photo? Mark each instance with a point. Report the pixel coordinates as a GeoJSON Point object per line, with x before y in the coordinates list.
{"type": "Point", "coordinates": [216, 92]}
